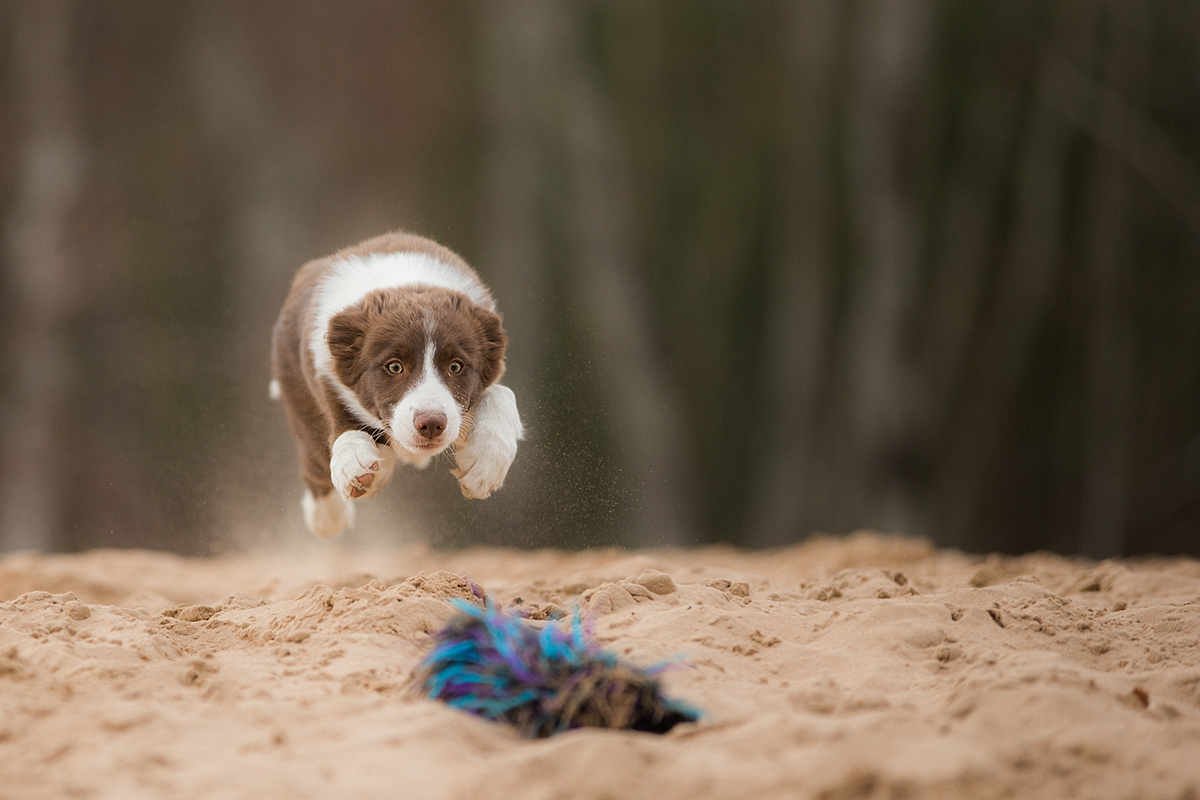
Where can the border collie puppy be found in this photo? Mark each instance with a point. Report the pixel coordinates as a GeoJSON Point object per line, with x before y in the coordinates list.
{"type": "Point", "coordinates": [391, 351]}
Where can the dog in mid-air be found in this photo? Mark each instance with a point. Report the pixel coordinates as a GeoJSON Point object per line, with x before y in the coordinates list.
{"type": "Point", "coordinates": [389, 351]}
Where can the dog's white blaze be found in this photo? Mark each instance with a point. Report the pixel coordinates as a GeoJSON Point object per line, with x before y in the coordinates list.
{"type": "Point", "coordinates": [353, 278]}
{"type": "Point", "coordinates": [432, 395]}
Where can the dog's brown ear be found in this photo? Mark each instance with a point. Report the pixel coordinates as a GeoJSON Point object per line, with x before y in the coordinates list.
{"type": "Point", "coordinates": [495, 341]}
{"type": "Point", "coordinates": [347, 331]}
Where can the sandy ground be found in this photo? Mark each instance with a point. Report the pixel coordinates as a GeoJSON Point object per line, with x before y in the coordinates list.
{"type": "Point", "coordinates": [866, 667]}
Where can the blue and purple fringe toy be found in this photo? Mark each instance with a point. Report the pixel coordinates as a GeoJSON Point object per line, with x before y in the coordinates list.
{"type": "Point", "coordinates": [542, 682]}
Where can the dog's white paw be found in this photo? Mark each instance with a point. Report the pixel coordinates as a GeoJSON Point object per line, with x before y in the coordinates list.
{"type": "Point", "coordinates": [359, 467]}
{"type": "Point", "coordinates": [327, 516]}
{"type": "Point", "coordinates": [484, 458]}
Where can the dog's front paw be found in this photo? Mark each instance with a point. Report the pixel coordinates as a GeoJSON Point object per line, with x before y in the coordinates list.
{"type": "Point", "coordinates": [483, 464]}
{"type": "Point", "coordinates": [358, 467]}
{"type": "Point", "coordinates": [483, 460]}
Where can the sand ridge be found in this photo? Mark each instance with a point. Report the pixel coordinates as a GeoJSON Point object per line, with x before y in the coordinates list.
{"type": "Point", "coordinates": [861, 667]}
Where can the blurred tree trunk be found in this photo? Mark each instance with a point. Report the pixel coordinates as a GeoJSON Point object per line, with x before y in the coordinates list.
{"type": "Point", "coordinates": [1021, 299]}
{"type": "Point", "coordinates": [790, 494]}
{"type": "Point", "coordinates": [514, 253]}
{"type": "Point", "coordinates": [572, 120]}
{"type": "Point", "coordinates": [883, 396]}
{"type": "Point", "coordinates": [965, 259]}
{"type": "Point", "coordinates": [36, 451]}
{"type": "Point", "coordinates": [514, 177]}
{"type": "Point", "coordinates": [1107, 431]}
{"type": "Point", "coordinates": [271, 177]}
{"type": "Point", "coordinates": [1023, 291]}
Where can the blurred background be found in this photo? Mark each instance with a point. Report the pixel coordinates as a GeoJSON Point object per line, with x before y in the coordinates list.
{"type": "Point", "coordinates": [768, 268]}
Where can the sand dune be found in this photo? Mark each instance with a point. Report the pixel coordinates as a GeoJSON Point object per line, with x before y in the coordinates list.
{"type": "Point", "coordinates": [864, 667]}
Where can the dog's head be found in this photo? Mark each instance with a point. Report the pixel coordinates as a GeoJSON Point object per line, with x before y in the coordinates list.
{"type": "Point", "coordinates": [418, 359]}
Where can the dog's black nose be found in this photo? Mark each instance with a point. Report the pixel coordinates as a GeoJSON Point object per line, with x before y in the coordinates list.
{"type": "Point", "coordinates": [430, 424]}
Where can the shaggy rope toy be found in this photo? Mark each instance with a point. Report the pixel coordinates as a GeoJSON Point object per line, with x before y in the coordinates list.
{"type": "Point", "coordinates": [542, 682]}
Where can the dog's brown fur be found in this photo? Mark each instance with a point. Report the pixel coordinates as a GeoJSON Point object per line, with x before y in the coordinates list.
{"type": "Point", "coordinates": [364, 337]}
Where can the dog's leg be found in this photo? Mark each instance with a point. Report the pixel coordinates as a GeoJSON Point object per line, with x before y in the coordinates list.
{"type": "Point", "coordinates": [358, 467]}
{"type": "Point", "coordinates": [333, 480]}
{"type": "Point", "coordinates": [491, 445]}
{"type": "Point", "coordinates": [327, 515]}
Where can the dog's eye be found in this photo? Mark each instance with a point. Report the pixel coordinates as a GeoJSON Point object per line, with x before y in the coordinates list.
{"type": "Point", "coordinates": [456, 367]}
{"type": "Point", "coordinates": [394, 367]}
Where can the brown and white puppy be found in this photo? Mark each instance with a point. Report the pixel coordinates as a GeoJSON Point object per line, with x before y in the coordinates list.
{"type": "Point", "coordinates": [391, 351]}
